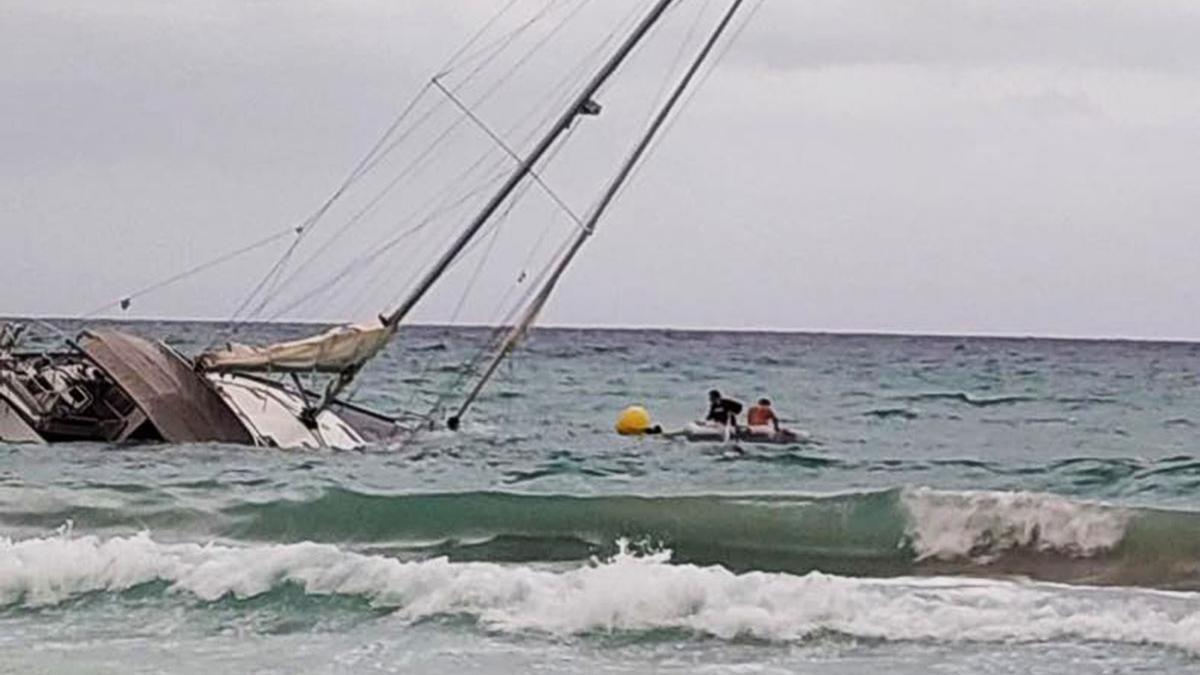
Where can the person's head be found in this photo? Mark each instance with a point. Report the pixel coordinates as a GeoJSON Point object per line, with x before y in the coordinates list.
{"type": "Point", "coordinates": [764, 402]}
{"type": "Point", "coordinates": [714, 395]}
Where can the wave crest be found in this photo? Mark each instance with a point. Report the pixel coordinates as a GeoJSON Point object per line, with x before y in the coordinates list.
{"type": "Point", "coordinates": [982, 525]}
{"type": "Point", "coordinates": [890, 533]}
{"type": "Point", "coordinates": [626, 593]}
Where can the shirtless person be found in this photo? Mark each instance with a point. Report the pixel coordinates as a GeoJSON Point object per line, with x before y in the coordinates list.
{"type": "Point", "coordinates": [762, 414]}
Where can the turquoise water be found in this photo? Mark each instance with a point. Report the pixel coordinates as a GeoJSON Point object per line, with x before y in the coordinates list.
{"type": "Point", "coordinates": [961, 505]}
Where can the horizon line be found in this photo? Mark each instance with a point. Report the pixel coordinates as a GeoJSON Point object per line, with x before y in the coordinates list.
{"type": "Point", "coordinates": [836, 332]}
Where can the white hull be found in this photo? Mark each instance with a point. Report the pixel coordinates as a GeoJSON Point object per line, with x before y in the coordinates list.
{"type": "Point", "coordinates": [116, 387]}
{"type": "Point", "coordinates": [272, 415]}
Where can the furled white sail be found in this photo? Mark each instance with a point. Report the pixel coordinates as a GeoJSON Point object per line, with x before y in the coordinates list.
{"type": "Point", "coordinates": [333, 351]}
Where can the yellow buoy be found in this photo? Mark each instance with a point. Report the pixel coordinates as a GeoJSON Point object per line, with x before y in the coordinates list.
{"type": "Point", "coordinates": [633, 421]}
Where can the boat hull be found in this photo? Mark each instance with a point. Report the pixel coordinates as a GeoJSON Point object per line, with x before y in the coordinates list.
{"type": "Point", "coordinates": [117, 387]}
{"type": "Point", "coordinates": [701, 432]}
{"type": "Point", "coordinates": [275, 418]}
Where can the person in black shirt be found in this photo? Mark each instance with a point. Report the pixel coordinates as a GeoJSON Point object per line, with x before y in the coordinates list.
{"type": "Point", "coordinates": [723, 411]}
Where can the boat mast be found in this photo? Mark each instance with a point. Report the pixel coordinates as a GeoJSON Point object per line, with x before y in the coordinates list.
{"type": "Point", "coordinates": [664, 113]}
{"type": "Point", "coordinates": [581, 105]}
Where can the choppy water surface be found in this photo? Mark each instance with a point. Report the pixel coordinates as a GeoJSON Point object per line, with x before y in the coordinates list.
{"type": "Point", "coordinates": [967, 505]}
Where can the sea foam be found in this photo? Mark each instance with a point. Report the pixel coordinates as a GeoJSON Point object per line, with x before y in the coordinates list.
{"type": "Point", "coordinates": [947, 525]}
{"type": "Point", "coordinates": [625, 593]}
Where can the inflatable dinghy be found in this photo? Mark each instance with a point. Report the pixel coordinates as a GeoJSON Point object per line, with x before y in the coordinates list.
{"type": "Point", "coordinates": [707, 432]}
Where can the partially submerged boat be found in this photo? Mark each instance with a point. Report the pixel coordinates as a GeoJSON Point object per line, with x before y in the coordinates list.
{"type": "Point", "coordinates": [113, 386]}
{"type": "Point", "coordinates": [107, 385]}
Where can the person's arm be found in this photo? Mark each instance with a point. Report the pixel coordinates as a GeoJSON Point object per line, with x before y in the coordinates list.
{"type": "Point", "coordinates": [775, 421]}
{"type": "Point", "coordinates": [734, 408]}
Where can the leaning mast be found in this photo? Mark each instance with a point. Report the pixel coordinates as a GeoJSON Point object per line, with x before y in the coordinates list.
{"type": "Point", "coordinates": [664, 113]}
{"type": "Point", "coordinates": [583, 104]}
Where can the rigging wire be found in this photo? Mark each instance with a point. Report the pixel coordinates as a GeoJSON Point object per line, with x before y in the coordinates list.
{"type": "Point", "coordinates": [622, 27]}
{"type": "Point", "coordinates": [376, 283]}
{"type": "Point", "coordinates": [468, 369]}
{"type": "Point", "coordinates": [661, 116]}
{"type": "Point", "coordinates": [563, 85]}
{"type": "Point", "coordinates": [375, 254]}
{"type": "Point", "coordinates": [499, 324]}
{"type": "Point", "coordinates": [533, 251]}
{"type": "Point", "coordinates": [416, 164]}
{"type": "Point", "coordinates": [525, 58]}
{"type": "Point", "coordinates": [504, 146]}
{"type": "Point", "coordinates": [679, 53]}
{"type": "Point", "coordinates": [371, 159]}
{"type": "Point", "coordinates": [311, 223]}
{"type": "Point", "coordinates": [466, 80]}
{"type": "Point", "coordinates": [510, 150]}
{"type": "Point", "coordinates": [435, 208]}
{"type": "Point", "coordinates": [498, 46]}
{"type": "Point", "coordinates": [498, 225]}
{"type": "Point", "coordinates": [490, 345]}
{"type": "Point", "coordinates": [495, 229]}
{"type": "Point", "coordinates": [418, 161]}
{"type": "Point", "coordinates": [486, 96]}
{"type": "Point", "coordinates": [512, 203]}
{"type": "Point", "coordinates": [564, 89]}
{"type": "Point", "coordinates": [450, 63]}
{"type": "Point", "coordinates": [277, 276]}
{"type": "Point", "coordinates": [501, 328]}
{"type": "Point", "coordinates": [125, 301]}
{"type": "Point", "coordinates": [483, 259]}
{"type": "Point", "coordinates": [691, 95]}
{"type": "Point", "coordinates": [424, 369]}
{"type": "Point", "coordinates": [364, 165]}
{"type": "Point", "coordinates": [367, 163]}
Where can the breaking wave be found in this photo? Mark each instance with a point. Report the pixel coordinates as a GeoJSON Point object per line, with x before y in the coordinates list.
{"type": "Point", "coordinates": [984, 525]}
{"type": "Point", "coordinates": [626, 593]}
{"type": "Point", "coordinates": [889, 533]}
{"type": "Point", "coordinates": [894, 532]}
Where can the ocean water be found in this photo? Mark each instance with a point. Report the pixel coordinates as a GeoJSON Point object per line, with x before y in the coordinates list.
{"type": "Point", "coordinates": [960, 506]}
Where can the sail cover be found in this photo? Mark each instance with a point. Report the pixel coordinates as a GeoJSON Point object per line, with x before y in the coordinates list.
{"type": "Point", "coordinates": [333, 351]}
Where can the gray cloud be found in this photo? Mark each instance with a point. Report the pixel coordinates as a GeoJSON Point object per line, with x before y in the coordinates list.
{"type": "Point", "coordinates": [1154, 35]}
{"type": "Point", "coordinates": [920, 166]}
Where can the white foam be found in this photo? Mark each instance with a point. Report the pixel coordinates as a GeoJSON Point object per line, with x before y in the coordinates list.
{"type": "Point", "coordinates": [627, 593]}
{"type": "Point", "coordinates": [948, 525]}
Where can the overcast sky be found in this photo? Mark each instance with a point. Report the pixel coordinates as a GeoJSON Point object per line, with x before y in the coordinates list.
{"type": "Point", "coordinates": [956, 166]}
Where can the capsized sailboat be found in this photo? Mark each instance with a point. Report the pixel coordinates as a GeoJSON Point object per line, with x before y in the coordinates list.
{"type": "Point", "coordinates": [114, 386]}
{"type": "Point", "coordinates": [109, 385]}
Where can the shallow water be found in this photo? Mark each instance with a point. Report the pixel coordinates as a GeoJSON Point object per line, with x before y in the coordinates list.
{"type": "Point", "coordinates": [962, 505]}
